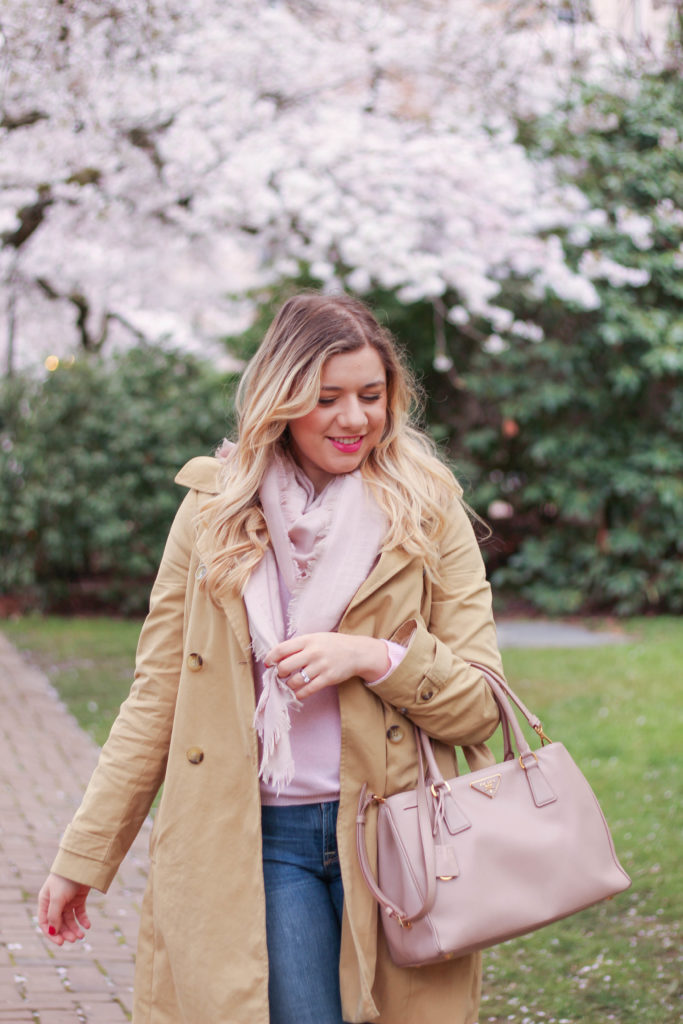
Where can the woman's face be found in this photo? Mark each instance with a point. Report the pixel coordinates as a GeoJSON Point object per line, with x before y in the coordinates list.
{"type": "Point", "coordinates": [348, 420]}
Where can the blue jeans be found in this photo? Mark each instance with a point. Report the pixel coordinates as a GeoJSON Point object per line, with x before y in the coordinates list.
{"type": "Point", "coordinates": [304, 900]}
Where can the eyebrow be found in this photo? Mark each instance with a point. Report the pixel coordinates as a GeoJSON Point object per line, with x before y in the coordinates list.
{"type": "Point", "coordinates": [365, 387]}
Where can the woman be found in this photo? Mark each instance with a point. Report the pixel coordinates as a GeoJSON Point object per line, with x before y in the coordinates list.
{"type": "Point", "coordinates": [321, 589]}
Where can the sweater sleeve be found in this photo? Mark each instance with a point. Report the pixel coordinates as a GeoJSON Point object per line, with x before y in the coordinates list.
{"type": "Point", "coordinates": [396, 653]}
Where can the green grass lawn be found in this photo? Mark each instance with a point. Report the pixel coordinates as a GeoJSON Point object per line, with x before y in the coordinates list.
{"type": "Point", "coordinates": [619, 711]}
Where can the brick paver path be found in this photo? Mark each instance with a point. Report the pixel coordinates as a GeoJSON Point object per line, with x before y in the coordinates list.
{"type": "Point", "coordinates": [45, 762]}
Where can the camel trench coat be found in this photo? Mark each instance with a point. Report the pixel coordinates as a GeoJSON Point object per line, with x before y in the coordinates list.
{"type": "Point", "coordinates": [187, 722]}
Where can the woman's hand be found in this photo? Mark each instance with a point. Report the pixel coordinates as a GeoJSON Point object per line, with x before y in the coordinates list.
{"type": "Point", "coordinates": [328, 659]}
{"type": "Point", "coordinates": [61, 909]}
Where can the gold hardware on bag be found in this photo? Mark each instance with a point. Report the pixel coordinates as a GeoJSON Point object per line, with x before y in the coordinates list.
{"type": "Point", "coordinates": [521, 759]}
{"type": "Point", "coordinates": [539, 730]}
{"type": "Point", "coordinates": [445, 878]}
{"type": "Point", "coordinates": [488, 786]}
{"type": "Point", "coordinates": [433, 788]}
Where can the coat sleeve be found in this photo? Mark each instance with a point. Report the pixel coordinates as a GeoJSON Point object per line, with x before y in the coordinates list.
{"type": "Point", "coordinates": [435, 684]}
{"type": "Point", "coordinates": [132, 762]}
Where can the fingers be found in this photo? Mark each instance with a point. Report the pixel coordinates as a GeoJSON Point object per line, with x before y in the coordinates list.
{"type": "Point", "coordinates": [304, 679]}
{"type": "Point", "coordinates": [287, 649]}
{"type": "Point", "coordinates": [299, 662]}
{"type": "Point", "coordinates": [73, 913]}
{"type": "Point", "coordinates": [308, 681]}
{"type": "Point", "coordinates": [296, 663]}
{"type": "Point", "coordinates": [61, 910]}
{"type": "Point", "coordinates": [289, 657]}
{"type": "Point", "coordinates": [313, 661]}
{"type": "Point", "coordinates": [328, 659]}
{"type": "Point", "coordinates": [82, 915]}
{"type": "Point", "coordinates": [70, 930]}
{"type": "Point", "coordinates": [49, 918]}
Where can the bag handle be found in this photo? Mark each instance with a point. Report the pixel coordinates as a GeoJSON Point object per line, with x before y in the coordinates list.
{"type": "Point", "coordinates": [493, 677]}
{"type": "Point", "coordinates": [508, 720]}
{"type": "Point", "coordinates": [540, 791]}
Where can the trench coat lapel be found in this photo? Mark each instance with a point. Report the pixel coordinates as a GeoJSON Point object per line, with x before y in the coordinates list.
{"type": "Point", "coordinates": [237, 617]}
{"type": "Point", "coordinates": [389, 564]}
{"type": "Point", "coordinates": [233, 606]}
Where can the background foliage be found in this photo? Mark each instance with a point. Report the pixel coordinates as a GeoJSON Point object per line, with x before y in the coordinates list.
{"type": "Point", "coordinates": [586, 441]}
{"type": "Point", "coordinates": [564, 423]}
{"type": "Point", "coordinates": [86, 468]}
{"type": "Point", "coordinates": [569, 425]}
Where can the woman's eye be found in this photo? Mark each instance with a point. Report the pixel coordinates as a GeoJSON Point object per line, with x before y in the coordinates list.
{"type": "Point", "coordinates": [363, 398]}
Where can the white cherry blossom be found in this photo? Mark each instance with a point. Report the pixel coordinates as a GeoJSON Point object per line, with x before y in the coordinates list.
{"type": "Point", "coordinates": [158, 161]}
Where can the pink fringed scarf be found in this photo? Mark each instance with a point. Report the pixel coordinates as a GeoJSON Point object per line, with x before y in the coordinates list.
{"type": "Point", "coordinates": [324, 547]}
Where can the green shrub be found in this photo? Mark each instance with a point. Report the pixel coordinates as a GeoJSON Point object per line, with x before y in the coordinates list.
{"type": "Point", "coordinates": [87, 462]}
{"type": "Point", "coordinates": [580, 433]}
{"type": "Point", "coordinates": [593, 460]}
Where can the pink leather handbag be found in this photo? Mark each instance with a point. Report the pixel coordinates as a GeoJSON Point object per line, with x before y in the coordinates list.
{"type": "Point", "coordinates": [469, 862]}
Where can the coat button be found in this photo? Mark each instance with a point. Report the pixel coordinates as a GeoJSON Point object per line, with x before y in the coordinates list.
{"type": "Point", "coordinates": [426, 695]}
{"type": "Point", "coordinates": [395, 734]}
{"type": "Point", "coordinates": [195, 755]}
{"type": "Point", "coordinates": [201, 571]}
{"type": "Point", "coordinates": [194, 662]}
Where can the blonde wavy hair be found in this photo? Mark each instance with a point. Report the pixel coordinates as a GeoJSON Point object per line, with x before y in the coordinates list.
{"type": "Point", "coordinates": [281, 383]}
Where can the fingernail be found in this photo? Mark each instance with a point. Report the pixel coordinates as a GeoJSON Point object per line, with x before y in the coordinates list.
{"type": "Point", "coordinates": [52, 930]}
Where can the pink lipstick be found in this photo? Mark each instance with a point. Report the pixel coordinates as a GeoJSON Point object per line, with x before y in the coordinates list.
{"type": "Point", "coordinates": [349, 445]}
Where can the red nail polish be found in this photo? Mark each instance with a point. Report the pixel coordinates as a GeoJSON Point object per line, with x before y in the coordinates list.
{"type": "Point", "coordinates": [52, 930]}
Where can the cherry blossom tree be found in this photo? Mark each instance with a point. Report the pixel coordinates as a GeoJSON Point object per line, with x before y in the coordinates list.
{"type": "Point", "coordinates": [161, 161]}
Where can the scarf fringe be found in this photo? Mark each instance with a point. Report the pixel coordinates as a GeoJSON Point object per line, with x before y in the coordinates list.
{"type": "Point", "coordinates": [272, 723]}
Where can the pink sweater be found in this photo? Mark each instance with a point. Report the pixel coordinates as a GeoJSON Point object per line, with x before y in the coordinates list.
{"type": "Point", "coordinates": [315, 736]}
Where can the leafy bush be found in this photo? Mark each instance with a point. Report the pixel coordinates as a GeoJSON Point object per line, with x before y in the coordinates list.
{"type": "Point", "coordinates": [588, 448]}
{"type": "Point", "coordinates": [87, 463]}
{"type": "Point", "coordinates": [572, 421]}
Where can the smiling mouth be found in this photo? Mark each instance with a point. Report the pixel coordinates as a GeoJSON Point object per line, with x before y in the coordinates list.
{"type": "Point", "coordinates": [347, 444]}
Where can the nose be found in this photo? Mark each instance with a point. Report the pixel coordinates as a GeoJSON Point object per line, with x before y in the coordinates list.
{"type": "Point", "coordinates": [351, 415]}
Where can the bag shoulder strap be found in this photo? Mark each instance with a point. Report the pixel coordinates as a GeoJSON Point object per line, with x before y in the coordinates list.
{"type": "Point", "coordinates": [426, 842]}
